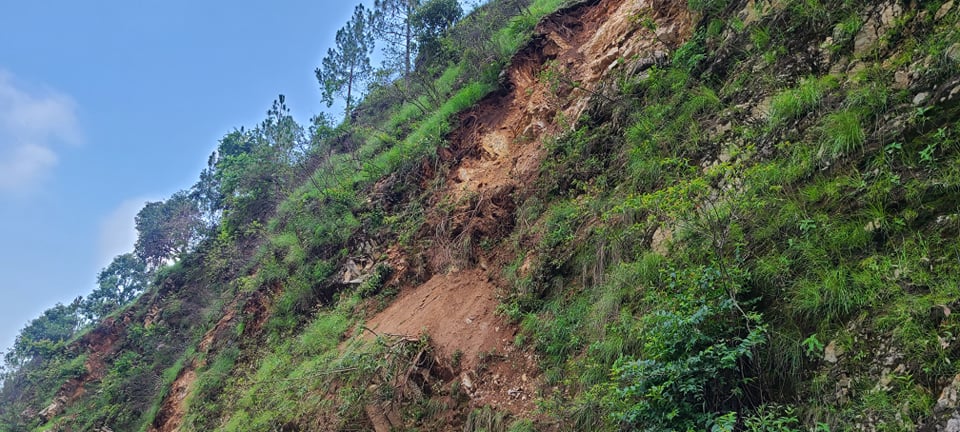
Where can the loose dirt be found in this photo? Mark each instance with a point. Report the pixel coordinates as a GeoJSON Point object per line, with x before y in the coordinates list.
{"type": "Point", "coordinates": [457, 311]}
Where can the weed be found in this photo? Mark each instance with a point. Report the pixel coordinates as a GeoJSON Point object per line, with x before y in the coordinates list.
{"type": "Point", "coordinates": [842, 133]}
{"type": "Point", "coordinates": [802, 99]}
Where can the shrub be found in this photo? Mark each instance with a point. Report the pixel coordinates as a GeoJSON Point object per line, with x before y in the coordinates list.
{"type": "Point", "coordinates": [696, 362]}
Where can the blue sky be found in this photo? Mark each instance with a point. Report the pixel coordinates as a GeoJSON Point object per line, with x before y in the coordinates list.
{"type": "Point", "coordinates": [105, 105]}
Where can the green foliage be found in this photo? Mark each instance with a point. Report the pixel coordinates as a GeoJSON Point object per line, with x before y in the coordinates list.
{"type": "Point", "coordinates": [804, 98]}
{"type": "Point", "coordinates": [696, 359]}
{"type": "Point", "coordinates": [347, 66]}
{"type": "Point", "coordinates": [842, 133]}
{"type": "Point", "coordinates": [167, 229]}
{"type": "Point", "coordinates": [374, 283]}
{"type": "Point", "coordinates": [117, 285]}
{"type": "Point", "coordinates": [430, 22]}
{"type": "Point", "coordinates": [486, 419]}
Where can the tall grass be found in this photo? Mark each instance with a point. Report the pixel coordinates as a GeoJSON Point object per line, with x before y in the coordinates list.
{"type": "Point", "coordinates": [802, 99]}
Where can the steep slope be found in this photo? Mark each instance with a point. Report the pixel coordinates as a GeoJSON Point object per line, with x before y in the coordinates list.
{"type": "Point", "coordinates": [709, 215]}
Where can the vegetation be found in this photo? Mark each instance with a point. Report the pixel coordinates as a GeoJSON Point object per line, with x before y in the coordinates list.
{"type": "Point", "coordinates": [755, 231]}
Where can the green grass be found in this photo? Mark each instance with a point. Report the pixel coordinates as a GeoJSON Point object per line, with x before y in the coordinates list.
{"type": "Point", "coordinates": [843, 133]}
{"type": "Point", "coordinates": [800, 100]}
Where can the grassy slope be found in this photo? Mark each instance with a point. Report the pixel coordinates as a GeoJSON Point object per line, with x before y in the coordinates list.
{"type": "Point", "coordinates": [697, 244]}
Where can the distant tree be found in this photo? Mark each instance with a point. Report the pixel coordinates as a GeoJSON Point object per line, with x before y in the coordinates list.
{"type": "Point", "coordinates": [392, 23]}
{"type": "Point", "coordinates": [44, 336]}
{"type": "Point", "coordinates": [207, 193]}
{"type": "Point", "coordinates": [254, 169]}
{"type": "Point", "coordinates": [347, 66]}
{"type": "Point", "coordinates": [167, 229]}
{"type": "Point", "coordinates": [117, 284]}
{"type": "Point", "coordinates": [430, 21]}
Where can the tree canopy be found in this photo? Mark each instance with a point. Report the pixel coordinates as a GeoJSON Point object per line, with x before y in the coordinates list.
{"type": "Point", "coordinates": [117, 284]}
{"type": "Point", "coordinates": [167, 229]}
{"type": "Point", "coordinates": [347, 65]}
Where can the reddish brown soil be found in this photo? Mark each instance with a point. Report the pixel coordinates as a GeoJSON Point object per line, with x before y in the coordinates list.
{"type": "Point", "coordinates": [496, 154]}
{"type": "Point", "coordinates": [497, 150]}
{"type": "Point", "coordinates": [174, 406]}
{"type": "Point", "coordinates": [457, 311]}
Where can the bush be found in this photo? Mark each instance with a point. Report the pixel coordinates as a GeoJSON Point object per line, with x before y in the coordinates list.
{"type": "Point", "coordinates": [696, 363]}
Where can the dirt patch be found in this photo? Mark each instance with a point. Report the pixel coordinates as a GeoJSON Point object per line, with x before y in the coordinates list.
{"type": "Point", "coordinates": [458, 313]}
{"type": "Point", "coordinates": [456, 310]}
{"type": "Point", "coordinates": [174, 406]}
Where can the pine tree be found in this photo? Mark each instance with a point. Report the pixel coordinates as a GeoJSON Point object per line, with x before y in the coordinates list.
{"type": "Point", "coordinates": [392, 22]}
{"type": "Point", "coordinates": [347, 66]}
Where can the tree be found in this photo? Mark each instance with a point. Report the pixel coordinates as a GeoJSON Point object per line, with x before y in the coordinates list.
{"type": "Point", "coordinates": [207, 193]}
{"type": "Point", "coordinates": [45, 335]}
{"type": "Point", "coordinates": [167, 229]}
{"type": "Point", "coordinates": [346, 67]}
{"type": "Point", "coordinates": [392, 22]}
{"type": "Point", "coordinates": [430, 22]}
{"type": "Point", "coordinates": [254, 169]}
{"type": "Point", "coordinates": [117, 284]}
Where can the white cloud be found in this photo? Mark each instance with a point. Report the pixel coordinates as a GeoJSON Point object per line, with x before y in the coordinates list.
{"type": "Point", "coordinates": [118, 232]}
{"type": "Point", "coordinates": [33, 123]}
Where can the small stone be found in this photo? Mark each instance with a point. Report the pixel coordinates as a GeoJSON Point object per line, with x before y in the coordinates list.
{"type": "Point", "coordinates": [944, 10]}
{"type": "Point", "coordinates": [920, 98]}
{"type": "Point", "coordinates": [949, 396]}
{"type": "Point", "coordinates": [938, 313]}
{"type": "Point", "coordinates": [831, 353]}
{"type": "Point", "coordinates": [953, 52]}
{"type": "Point", "coordinates": [901, 79]}
{"type": "Point", "coordinates": [953, 425]}
{"type": "Point", "coordinates": [467, 382]}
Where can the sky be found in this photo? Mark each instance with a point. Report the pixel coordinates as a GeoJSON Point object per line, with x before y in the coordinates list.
{"type": "Point", "coordinates": [106, 105]}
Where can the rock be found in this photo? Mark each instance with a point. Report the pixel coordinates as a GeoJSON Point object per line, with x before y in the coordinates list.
{"type": "Point", "coordinates": [29, 413]}
{"type": "Point", "coordinates": [944, 10]}
{"type": "Point", "coordinates": [466, 381]}
{"type": "Point", "coordinates": [901, 79]}
{"type": "Point", "coordinates": [661, 240]}
{"type": "Point", "coordinates": [878, 22]}
{"type": "Point", "coordinates": [953, 52]}
{"type": "Point", "coordinates": [831, 353]}
{"type": "Point", "coordinates": [938, 313]}
{"type": "Point", "coordinates": [54, 409]}
{"type": "Point", "coordinates": [949, 396]}
{"type": "Point", "coordinates": [953, 425]}
{"type": "Point", "coordinates": [920, 98]}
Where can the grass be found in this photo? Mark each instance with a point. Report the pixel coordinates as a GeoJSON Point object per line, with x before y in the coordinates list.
{"type": "Point", "coordinates": [802, 99]}
{"type": "Point", "coordinates": [843, 133]}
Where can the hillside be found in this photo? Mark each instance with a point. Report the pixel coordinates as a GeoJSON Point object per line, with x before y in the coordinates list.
{"type": "Point", "coordinates": [592, 215]}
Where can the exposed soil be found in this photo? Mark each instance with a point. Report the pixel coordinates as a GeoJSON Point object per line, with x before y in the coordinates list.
{"type": "Point", "coordinates": [497, 152]}
{"type": "Point", "coordinates": [498, 148]}
{"type": "Point", "coordinates": [457, 311]}
{"type": "Point", "coordinates": [174, 406]}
